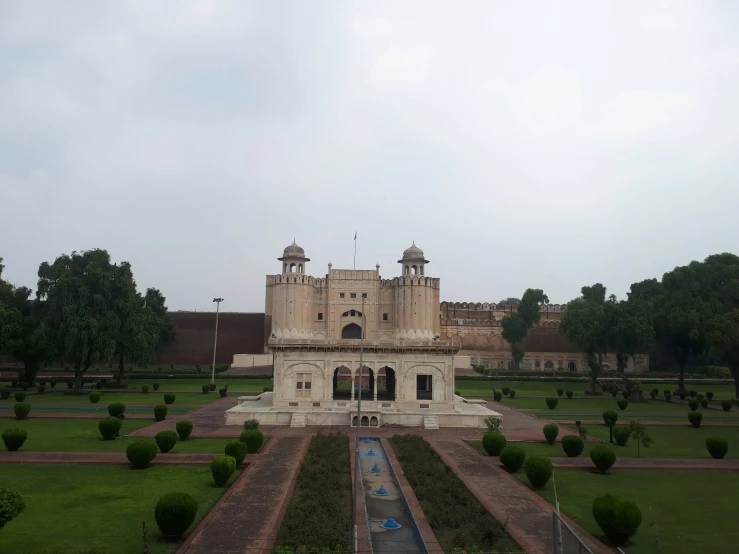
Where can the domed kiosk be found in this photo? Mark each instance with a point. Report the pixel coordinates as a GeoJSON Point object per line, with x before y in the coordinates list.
{"type": "Point", "coordinates": [320, 324]}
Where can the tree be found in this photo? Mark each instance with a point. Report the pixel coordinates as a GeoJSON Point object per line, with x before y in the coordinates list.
{"type": "Point", "coordinates": [165, 326]}
{"type": "Point", "coordinates": [23, 333]}
{"type": "Point", "coordinates": [631, 329]}
{"type": "Point", "coordinates": [639, 433]}
{"type": "Point", "coordinates": [79, 293]}
{"type": "Point", "coordinates": [517, 324]}
{"type": "Point", "coordinates": [132, 340]}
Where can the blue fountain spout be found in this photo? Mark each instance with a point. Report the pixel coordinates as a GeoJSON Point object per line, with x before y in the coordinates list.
{"type": "Point", "coordinates": [382, 491]}
{"type": "Point", "coordinates": [390, 523]}
{"type": "Point", "coordinates": [371, 453]}
{"type": "Point", "coordinates": [375, 469]}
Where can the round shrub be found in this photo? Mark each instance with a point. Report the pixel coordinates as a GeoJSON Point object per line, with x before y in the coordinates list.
{"type": "Point", "coordinates": [603, 458]}
{"type": "Point", "coordinates": [709, 395]}
{"type": "Point", "coordinates": [695, 418]}
{"type": "Point", "coordinates": [184, 428]}
{"type": "Point", "coordinates": [141, 453]}
{"type": "Point", "coordinates": [174, 513]}
{"type": "Point", "coordinates": [668, 396]}
{"type": "Point", "coordinates": [617, 517]}
{"type": "Point", "coordinates": [505, 390]}
{"type": "Point", "coordinates": [21, 410]}
{"type": "Point", "coordinates": [681, 394]}
{"type": "Point", "coordinates": [693, 394]}
{"type": "Point", "coordinates": [493, 443]}
{"type": "Point", "coordinates": [52, 384]}
{"type": "Point", "coordinates": [538, 471]}
{"type": "Point", "coordinates": [223, 392]}
{"type": "Point", "coordinates": [572, 445]}
{"type": "Point", "coordinates": [109, 427]}
{"type": "Point", "coordinates": [237, 450]}
{"type": "Point", "coordinates": [205, 389]}
{"type": "Point", "coordinates": [20, 396]}
{"type": "Point", "coordinates": [621, 434]}
{"type": "Point", "coordinates": [222, 467]}
{"type": "Point", "coordinates": [166, 440]}
{"type": "Point", "coordinates": [560, 392]}
{"type": "Point", "coordinates": [497, 395]}
{"type": "Point", "coordinates": [569, 394]}
{"type": "Point", "coordinates": [40, 388]}
{"type": "Point", "coordinates": [552, 402]}
{"type": "Point", "coordinates": [622, 403]}
{"type": "Point", "coordinates": [717, 447]}
{"type": "Point", "coordinates": [160, 412]}
{"type": "Point", "coordinates": [700, 397]}
{"type": "Point", "coordinates": [155, 386]}
{"type": "Point", "coordinates": [212, 387]}
{"type": "Point", "coordinates": [726, 405]}
{"type": "Point", "coordinates": [5, 393]}
{"type": "Point", "coordinates": [145, 389]}
{"type": "Point", "coordinates": [251, 424]}
{"type": "Point", "coordinates": [550, 432]}
{"type": "Point", "coordinates": [654, 393]}
{"type": "Point", "coordinates": [253, 439]}
{"type": "Point", "coordinates": [94, 397]}
{"type": "Point", "coordinates": [14, 438]}
{"type": "Point", "coordinates": [512, 457]}
{"type": "Point", "coordinates": [116, 409]}
{"type": "Point", "coordinates": [693, 405]}
{"type": "Point", "coordinates": [626, 394]}
{"type": "Point", "coordinates": [610, 417]}
{"type": "Point", "coordinates": [169, 398]}
{"type": "Point", "coordinates": [614, 393]}
{"type": "Point", "coordinates": [512, 393]}
{"type": "Point", "coordinates": [704, 402]}
{"type": "Point", "coordinates": [11, 504]}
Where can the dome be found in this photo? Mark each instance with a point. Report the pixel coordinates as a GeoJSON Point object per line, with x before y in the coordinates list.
{"type": "Point", "coordinates": [293, 251]}
{"type": "Point", "coordinates": [413, 253]}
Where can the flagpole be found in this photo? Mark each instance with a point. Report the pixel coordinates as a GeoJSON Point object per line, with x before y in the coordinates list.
{"type": "Point", "coordinates": [355, 250]}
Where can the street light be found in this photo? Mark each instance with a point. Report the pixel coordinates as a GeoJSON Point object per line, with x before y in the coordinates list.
{"type": "Point", "coordinates": [215, 342]}
{"type": "Point", "coordinates": [357, 466]}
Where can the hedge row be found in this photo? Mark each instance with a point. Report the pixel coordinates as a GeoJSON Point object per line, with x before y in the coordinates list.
{"type": "Point", "coordinates": [320, 509]}
{"type": "Point", "coordinates": [457, 517]}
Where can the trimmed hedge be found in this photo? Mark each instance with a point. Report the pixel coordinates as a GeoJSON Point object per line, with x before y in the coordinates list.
{"type": "Point", "coordinates": [538, 471]}
{"type": "Point", "coordinates": [41, 388]}
{"type": "Point", "coordinates": [704, 402]}
{"type": "Point", "coordinates": [223, 392]}
{"type": "Point", "coordinates": [11, 505]}
{"type": "Point", "coordinates": [174, 513]}
{"type": "Point", "coordinates": [237, 450]}
{"type": "Point", "coordinates": [621, 434]}
{"type": "Point", "coordinates": [693, 405]}
{"type": "Point", "coordinates": [212, 387]}
{"type": "Point", "coordinates": [560, 392]}
{"type": "Point", "coordinates": [709, 395]}
{"type": "Point", "coordinates": [493, 443]}
{"type": "Point", "coordinates": [166, 440]}
{"type": "Point", "coordinates": [512, 393]}
{"type": "Point", "coordinates": [617, 517]}
{"type": "Point", "coordinates": [160, 412]}
{"type": "Point", "coordinates": [169, 398]}
{"type": "Point", "coordinates": [116, 409]}
{"type": "Point", "coordinates": [603, 458]}
{"type": "Point", "coordinates": [14, 438]}
{"type": "Point", "coordinates": [550, 432]}
{"type": "Point", "coordinates": [19, 396]}
{"type": "Point", "coordinates": [155, 386]}
{"type": "Point", "coordinates": [695, 418]}
{"type": "Point", "coordinates": [717, 447]}
{"type": "Point", "coordinates": [94, 397]}
{"type": "Point", "coordinates": [552, 402]}
{"type": "Point", "coordinates": [205, 388]}
{"type": "Point", "coordinates": [497, 395]}
{"type": "Point", "coordinates": [654, 393]}
{"type": "Point", "coordinates": [145, 389]}
{"type": "Point", "coordinates": [668, 396]}
{"type": "Point", "coordinates": [505, 390]}
{"type": "Point", "coordinates": [21, 410]}
{"type": "Point", "coordinates": [222, 467]}
{"type": "Point", "coordinates": [569, 394]}
{"type": "Point", "coordinates": [253, 440]}
{"type": "Point", "coordinates": [5, 393]}
{"type": "Point", "coordinates": [512, 457]}
{"type": "Point", "coordinates": [572, 445]}
{"type": "Point", "coordinates": [251, 424]}
{"type": "Point", "coordinates": [610, 417]}
{"type": "Point", "coordinates": [622, 403]}
{"type": "Point", "coordinates": [109, 427]}
{"type": "Point", "coordinates": [726, 405]}
{"type": "Point", "coordinates": [141, 453]}
{"type": "Point", "coordinates": [184, 428]}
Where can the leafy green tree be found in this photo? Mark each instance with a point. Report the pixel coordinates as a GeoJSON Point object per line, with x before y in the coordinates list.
{"type": "Point", "coordinates": [80, 307]}
{"type": "Point", "coordinates": [516, 325]}
{"type": "Point", "coordinates": [631, 329]}
{"type": "Point", "coordinates": [639, 433]}
{"type": "Point", "coordinates": [23, 333]}
{"type": "Point", "coordinates": [133, 340]}
{"type": "Point", "coordinates": [165, 326]}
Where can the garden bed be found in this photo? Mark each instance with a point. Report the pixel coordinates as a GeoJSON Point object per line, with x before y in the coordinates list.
{"type": "Point", "coordinates": [319, 515]}
{"type": "Point", "coordinates": [455, 515]}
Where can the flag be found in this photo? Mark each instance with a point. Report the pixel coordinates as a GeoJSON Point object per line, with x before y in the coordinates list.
{"type": "Point", "coordinates": [355, 235]}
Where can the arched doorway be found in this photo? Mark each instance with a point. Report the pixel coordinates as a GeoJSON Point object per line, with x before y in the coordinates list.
{"type": "Point", "coordinates": [386, 384]}
{"type": "Point", "coordinates": [351, 331]}
{"type": "Point", "coordinates": [572, 366]}
{"type": "Point", "coordinates": [342, 383]}
{"type": "Point", "coordinates": [368, 384]}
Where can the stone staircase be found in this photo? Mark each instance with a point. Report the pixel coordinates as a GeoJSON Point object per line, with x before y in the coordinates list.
{"type": "Point", "coordinates": [430, 422]}
{"type": "Point", "coordinates": [297, 420]}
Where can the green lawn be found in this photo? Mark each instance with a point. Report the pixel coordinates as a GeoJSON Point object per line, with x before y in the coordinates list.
{"type": "Point", "coordinates": [669, 442]}
{"type": "Point", "coordinates": [167, 385]}
{"type": "Point", "coordinates": [688, 511]}
{"type": "Point", "coordinates": [82, 435]}
{"type": "Point", "coordinates": [75, 509]}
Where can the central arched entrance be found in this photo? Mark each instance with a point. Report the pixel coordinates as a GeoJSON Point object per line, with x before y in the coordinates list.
{"type": "Point", "coordinates": [351, 331]}
{"type": "Point", "coordinates": [368, 384]}
{"type": "Point", "coordinates": [342, 389]}
{"type": "Point", "coordinates": [386, 384]}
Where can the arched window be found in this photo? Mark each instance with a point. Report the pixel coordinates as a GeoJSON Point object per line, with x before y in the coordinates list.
{"type": "Point", "coordinates": [549, 365]}
{"type": "Point", "coordinates": [414, 270]}
{"type": "Point", "coordinates": [351, 331]}
{"type": "Point", "coordinates": [292, 268]}
{"type": "Point", "coordinates": [284, 267]}
{"type": "Point", "coordinates": [407, 270]}
{"type": "Point", "coordinates": [421, 268]}
{"type": "Point", "coordinates": [537, 364]}
{"type": "Point", "coordinates": [300, 268]}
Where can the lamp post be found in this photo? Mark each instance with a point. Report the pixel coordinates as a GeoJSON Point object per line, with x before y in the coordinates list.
{"type": "Point", "coordinates": [215, 341]}
{"type": "Point", "coordinates": [357, 466]}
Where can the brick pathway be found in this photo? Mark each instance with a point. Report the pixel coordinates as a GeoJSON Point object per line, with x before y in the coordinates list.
{"type": "Point", "coordinates": [205, 420]}
{"type": "Point", "coordinates": [247, 520]}
{"type": "Point", "coordinates": [99, 458]}
{"type": "Point", "coordinates": [526, 516]}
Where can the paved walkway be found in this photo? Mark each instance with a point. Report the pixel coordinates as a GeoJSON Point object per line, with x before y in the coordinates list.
{"type": "Point", "coordinates": [205, 421]}
{"type": "Point", "coordinates": [526, 516]}
{"type": "Point", "coordinates": [247, 518]}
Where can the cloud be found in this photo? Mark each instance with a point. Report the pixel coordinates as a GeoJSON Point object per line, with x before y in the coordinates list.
{"type": "Point", "coordinates": [371, 28]}
{"type": "Point", "coordinates": [400, 67]}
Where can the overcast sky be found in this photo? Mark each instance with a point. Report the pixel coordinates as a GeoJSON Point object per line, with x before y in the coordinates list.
{"type": "Point", "coordinates": [520, 144]}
